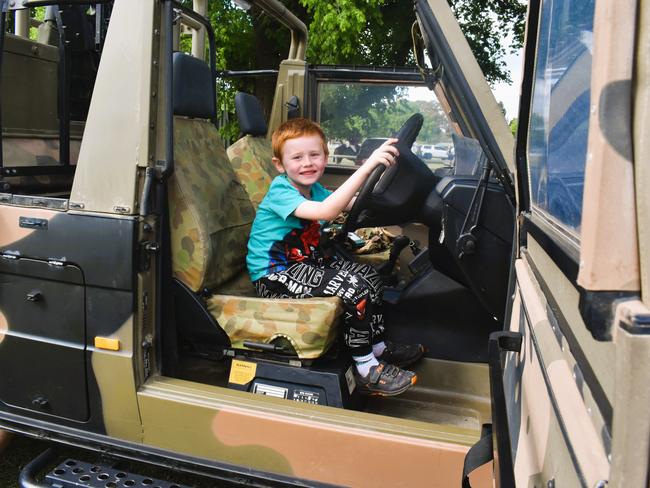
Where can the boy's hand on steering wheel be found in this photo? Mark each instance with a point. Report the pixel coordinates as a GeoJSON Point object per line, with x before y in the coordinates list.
{"type": "Point", "coordinates": [385, 154]}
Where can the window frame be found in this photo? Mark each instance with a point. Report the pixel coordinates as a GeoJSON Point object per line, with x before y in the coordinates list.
{"type": "Point", "coordinates": [564, 239]}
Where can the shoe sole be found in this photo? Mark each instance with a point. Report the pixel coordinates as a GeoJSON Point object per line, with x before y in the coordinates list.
{"type": "Point", "coordinates": [366, 392]}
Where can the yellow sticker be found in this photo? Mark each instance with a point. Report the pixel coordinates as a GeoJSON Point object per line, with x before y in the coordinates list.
{"type": "Point", "coordinates": [242, 372]}
{"type": "Point", "coordinates": [107, 343]}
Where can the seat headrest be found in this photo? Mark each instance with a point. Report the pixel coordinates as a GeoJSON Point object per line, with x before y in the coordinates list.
{"type": "Point", "coordinates": [193, 88]}
{"type": "Point", "coordinates": [250, 115]}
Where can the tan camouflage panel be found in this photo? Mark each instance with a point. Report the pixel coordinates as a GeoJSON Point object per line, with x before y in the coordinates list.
{"type": "Point", "coordinates": [116, 380]}
{"type": "Point", "coordinates": [609, 220]}
{"type": "Point", "coordinates": [309, 324]}
{"type": "Point", "coordinates": [321, 444]}
{"type": "Point", "coordinates": [251, 159]}
{"type": "Point", "coordinates": [641, 144]}
{"type": "Point", "coordinates": [600, 355]}
{"type": "Point", "coordinates": [35, 152]}
{"type": "Point", "coordinates": [631, 423]}
{"type": "Point", "coordinates": [210, 214]}
{"type": "Point", "coordinates": [541, 451]}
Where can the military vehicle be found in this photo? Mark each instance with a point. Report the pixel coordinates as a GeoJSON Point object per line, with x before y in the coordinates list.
{"type": "Point", "coordinates": [127, 322]}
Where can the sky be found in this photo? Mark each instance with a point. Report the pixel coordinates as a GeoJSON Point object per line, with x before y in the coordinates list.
{"type": "Point", "coordinates": [509, 94]}
{"type": "Point", "coordinates": [503, 92]}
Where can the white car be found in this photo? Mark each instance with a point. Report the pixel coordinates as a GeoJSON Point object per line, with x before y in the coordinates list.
{"type": "Point", "coordinates": [435, 151]}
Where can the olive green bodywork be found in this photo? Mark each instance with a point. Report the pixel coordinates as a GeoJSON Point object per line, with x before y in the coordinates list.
{"type": "Point", "coordinates": [75, 269]}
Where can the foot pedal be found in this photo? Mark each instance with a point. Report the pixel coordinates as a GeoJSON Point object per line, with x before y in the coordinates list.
{"type": "Point", "coordinates": [74, 474]}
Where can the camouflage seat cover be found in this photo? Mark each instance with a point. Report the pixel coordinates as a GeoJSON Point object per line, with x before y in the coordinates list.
{"type": "Point", "coordinates": [263, 320]}
{"type": "Point", "coordinates": [210, 218]}
{"type": "Point", "coordinates": [251, 159]}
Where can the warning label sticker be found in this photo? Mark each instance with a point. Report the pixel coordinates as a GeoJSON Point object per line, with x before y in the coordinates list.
{"type": "Point", "coordinates": [242, 372]}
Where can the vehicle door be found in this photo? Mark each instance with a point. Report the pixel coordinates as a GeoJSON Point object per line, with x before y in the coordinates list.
{"type": "Point", "coordinates": [68, 221]}
{"type": "Point", "coordinates": [565, 367]}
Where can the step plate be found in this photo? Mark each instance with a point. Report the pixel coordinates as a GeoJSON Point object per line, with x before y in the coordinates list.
{"type": "Point", "coordinates": [73, 474]}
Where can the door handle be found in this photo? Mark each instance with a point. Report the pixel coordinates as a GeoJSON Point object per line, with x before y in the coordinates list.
{"type": "Point", "coordinates": [34, 296]}
{"type": "Point", "coordinates": [32, 223]}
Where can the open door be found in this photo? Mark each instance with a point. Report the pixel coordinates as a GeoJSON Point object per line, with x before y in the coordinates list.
{"type": "Point", "coordinates": [563, 401]}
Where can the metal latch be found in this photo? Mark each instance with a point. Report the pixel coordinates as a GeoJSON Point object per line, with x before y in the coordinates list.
{"type": "Point", "coordinates": [147, 249]}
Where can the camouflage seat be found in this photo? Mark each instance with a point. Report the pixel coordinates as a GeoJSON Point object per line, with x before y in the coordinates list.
{"type": "Point", "coordinates": [251, 155]}
{"type": "Point", "coordinates": [210, 219]}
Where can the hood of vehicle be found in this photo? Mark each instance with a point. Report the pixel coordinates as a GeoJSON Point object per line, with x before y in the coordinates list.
{"type": "Point", "coordinates": [462, 84]}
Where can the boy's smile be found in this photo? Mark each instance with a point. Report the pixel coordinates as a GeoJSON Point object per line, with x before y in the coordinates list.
{"type": "Point", "coordinates": [303, 160]}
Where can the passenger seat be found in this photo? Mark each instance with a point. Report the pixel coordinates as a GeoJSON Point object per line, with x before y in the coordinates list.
{"type": "Point", "coordinates": [251, 156]}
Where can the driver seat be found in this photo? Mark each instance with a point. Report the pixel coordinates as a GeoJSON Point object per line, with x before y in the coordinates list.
{"type": "Point", "coordinates": [210, 219]}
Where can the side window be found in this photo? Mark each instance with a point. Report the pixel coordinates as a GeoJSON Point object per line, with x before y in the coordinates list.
{"type": "Point", "coordinates": [46, 92]}
{"type": "Point", "coordinates": [559, 121]}
{"type": "Point", "coordinates": [358, 117]}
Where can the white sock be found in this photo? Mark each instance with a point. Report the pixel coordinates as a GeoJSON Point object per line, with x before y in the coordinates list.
{"type": "Point", "coordinates": [379, 348]}
{"type": "Point", "coordinates": [364, 363]}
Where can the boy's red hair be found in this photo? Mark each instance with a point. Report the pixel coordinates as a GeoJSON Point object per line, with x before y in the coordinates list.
{"type": "Point", "coordinates": [292, 129]}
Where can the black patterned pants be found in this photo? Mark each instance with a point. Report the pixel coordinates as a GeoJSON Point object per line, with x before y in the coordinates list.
{"type": "Point", "coordinates": [358, 285]}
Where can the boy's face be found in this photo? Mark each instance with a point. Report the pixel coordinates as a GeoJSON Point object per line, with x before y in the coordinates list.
{"type": "Point", "coordinates": [303, 160]}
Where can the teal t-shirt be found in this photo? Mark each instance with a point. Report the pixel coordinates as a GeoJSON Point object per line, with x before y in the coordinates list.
{"type": "Point", "coordinates": [279, 238]}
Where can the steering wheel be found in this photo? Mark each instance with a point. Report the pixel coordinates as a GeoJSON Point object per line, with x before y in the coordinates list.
{"type": "Point", "coordinates": [406, 137]}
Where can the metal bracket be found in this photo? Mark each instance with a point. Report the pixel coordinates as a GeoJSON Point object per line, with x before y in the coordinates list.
{"type": "Point", "coordinates": [466, 242]}
{"type": "Point", "coordinates": [499, 342]}
{"type": "Point", "coordinates": [146, 250]}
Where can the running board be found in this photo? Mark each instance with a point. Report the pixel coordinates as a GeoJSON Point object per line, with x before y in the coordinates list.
{"type": "Point", "coordinates": [73, 473]}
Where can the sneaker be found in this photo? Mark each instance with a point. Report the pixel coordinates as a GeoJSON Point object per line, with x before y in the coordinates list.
{"type": "Point", "coordinates": [385, 380]}
{"type": "Point", "coordinates": [401, 355]}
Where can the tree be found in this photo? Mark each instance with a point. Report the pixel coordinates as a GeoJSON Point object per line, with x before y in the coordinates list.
{"type": "Point", "coordinates": [356, 31]}
{"type": "Point", "coordinates": [372, 32]}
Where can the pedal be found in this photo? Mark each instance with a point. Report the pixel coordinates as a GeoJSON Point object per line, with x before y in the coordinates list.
{"type": "Point", "coordinates": [72, 473]}
{"type": "Point", "coordinates": [420, 263]}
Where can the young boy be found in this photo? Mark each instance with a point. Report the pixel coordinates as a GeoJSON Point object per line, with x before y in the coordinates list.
{"type": "Point", "coordinates": [285, 259]}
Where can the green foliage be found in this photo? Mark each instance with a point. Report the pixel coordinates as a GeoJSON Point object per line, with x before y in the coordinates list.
{"type": "Point", "coordinates": [486, 25]}
{"type": "Point", "coordinates": [514, 125]}
{"type": "Point", "coordinates": [37, 13]}
{"type": "Point", "coordinates": [378, 31]}
{"type": "Point", "coordinates": [352, 110]}
{"type": "Point", "coordinates": [234, 50]}
{"type": "Point", "coordinates": [359, 111]}
{"type": "Point", "coordinates": [371, 32]}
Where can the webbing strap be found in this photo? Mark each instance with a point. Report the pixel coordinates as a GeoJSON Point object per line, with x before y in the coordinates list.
{"type": "Point", "coordinates": [479, 454]}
